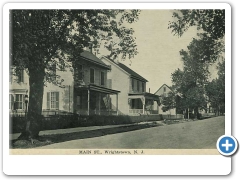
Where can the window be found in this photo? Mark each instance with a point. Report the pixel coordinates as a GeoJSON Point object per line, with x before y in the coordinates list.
{"type": "Point", "coordinates": [91, 75]}
{"type": "Point", "coordinates": [102, 78]}
{"type": "Point", "coordinates": [20, 75]}
{"type": "Point", "coordinates": [53, 100]}
{"type": "Point", "coordinates": [80, 73]}
{"type": "Point", "coordinates": [19, 104]}
{"type": "Point", "coordinates": [138, 86]}
{"type": "Point", "coordinates": [143, 88]}
{"type": "Point", "coordinates": [11, 101]}
{"type": "Point", "coordinates": [164, 89]}
{"type": "Point", "coordinates": [132, 84]}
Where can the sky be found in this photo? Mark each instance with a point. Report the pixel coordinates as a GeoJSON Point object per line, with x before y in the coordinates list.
{"type": "Point", "coordinates": [158, 48]}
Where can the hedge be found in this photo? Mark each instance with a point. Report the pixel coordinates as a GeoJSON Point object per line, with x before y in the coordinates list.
{"type": "Point", "coordinates": [68, 121]}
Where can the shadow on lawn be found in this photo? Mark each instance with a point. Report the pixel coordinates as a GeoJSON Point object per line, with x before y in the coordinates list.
{"type": "Point", "coordinates": [57, 138]}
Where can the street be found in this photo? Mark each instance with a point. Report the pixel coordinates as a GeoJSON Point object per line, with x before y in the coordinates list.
{"type": "Point", "coordinates": [202, 134]}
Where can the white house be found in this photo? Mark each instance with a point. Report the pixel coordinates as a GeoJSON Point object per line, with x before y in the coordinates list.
{"type": "Point", "coordinates": [83, 91]}
{"type": "Point", "coordinates": [163, 92]}
{"type": "Point", "coordinates": [133, 98]}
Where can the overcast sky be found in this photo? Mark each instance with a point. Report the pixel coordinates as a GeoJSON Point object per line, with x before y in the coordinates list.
{"type": "Point", "coordinates": [158, 48]}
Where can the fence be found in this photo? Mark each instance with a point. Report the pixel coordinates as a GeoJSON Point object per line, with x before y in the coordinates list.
{"type": "Point", "coordinates": [177, 116]}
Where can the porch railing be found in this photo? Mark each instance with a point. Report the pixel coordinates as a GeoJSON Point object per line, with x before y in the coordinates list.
{"type": "Point", "coordinates": [135, 111]}
{"type": "Point", "coordinates": [151, 111]}
{"type": "Point", "coordinates": [140, 111]}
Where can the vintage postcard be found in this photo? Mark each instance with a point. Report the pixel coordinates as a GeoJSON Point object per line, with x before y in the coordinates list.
{"type": "Point", "coordinates": [96, 80]}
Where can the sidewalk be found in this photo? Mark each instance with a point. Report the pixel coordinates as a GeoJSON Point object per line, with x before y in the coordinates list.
{"type": "Point", "coordinates": [70, 130]}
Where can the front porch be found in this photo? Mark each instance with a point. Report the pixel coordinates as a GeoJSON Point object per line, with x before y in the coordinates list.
{"type": "Point", "coordinates": [143, 104]}
{"type": "Point", "coordinates": [94, 100]}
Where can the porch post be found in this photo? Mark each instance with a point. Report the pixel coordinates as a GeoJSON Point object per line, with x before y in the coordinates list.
{"type": "Point", "coordinates": [88, 101]}
{"type": "Point", "coordinates": [108, 104]}
{"type": "Point", "coordinates": [99, 104]}
{"type": "Point", "coordinates": [143, 105]}
{"type": "Point", "coordinates": [117, 103]}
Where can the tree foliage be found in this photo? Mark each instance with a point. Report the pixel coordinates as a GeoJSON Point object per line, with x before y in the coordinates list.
{"type": "Point", "coordinates": [202, 51]}
{"type": "Point", "coordinates": [39, 37]}
{"type": "Point", "coordinates": [168, 101]}
{"type": "Point", "coordinates": [44, 39]}
{"type": "Point", "coordinates": [211, 21]}
{"type": "Point", "coordinates": [190, 81]}
{"type": "Point", "coordinates": [211, 26]}
{"type": "Point", "coordinates": [215, 89]}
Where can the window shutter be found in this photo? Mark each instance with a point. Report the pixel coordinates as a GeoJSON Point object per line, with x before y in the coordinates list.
{"type": "Point", "coordinates": [48, 100]}
{"type": "Point", "coordinates": [57, 100]}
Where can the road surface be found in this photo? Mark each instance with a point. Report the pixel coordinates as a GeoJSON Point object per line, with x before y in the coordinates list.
{"type": "Point", "coordinates": [202, 134]}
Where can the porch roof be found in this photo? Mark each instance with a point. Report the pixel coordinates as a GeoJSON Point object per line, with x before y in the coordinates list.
{"type": "Point", "coordinates": [93, 87]}
{"type": "Point", "coordinates": [145, 94]}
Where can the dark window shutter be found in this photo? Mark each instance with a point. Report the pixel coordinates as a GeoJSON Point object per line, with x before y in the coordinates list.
{"type": "Point", "coordinates": [57, 100]}
{"type": "Point", "coordinates": [48, 100]}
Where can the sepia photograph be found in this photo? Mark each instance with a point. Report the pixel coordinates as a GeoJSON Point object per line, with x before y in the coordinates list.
{"type": "Point", "coordinates": [116, 81]}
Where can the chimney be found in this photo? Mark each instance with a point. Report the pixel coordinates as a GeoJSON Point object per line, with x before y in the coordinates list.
{"type": "Point", "coordinates": [149, 90]}
{"type": "Point", "coordinates": [88, 48]}
{"type": "Point", "coordinates": [116, 61]}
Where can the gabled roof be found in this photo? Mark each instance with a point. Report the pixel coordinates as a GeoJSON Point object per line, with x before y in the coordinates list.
{"type": "Point", "coordinates": [86, 55]}
{"type": "Point", "coordinates": [162, 86]}
{"type": "Point", "coordinates": [131, 72]}
{"type": "Point", "coordinates": [126, 69]}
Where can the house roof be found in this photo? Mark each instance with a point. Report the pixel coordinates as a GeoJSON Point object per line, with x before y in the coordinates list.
{"type": "Point", "coordinates": [162, 86]}
{"type": "Point", "coordinates": [126, 69]}
{"type": "Point", "coordinates": [131, 72]}
{"type": "Point", "coordinates": [94, 59]}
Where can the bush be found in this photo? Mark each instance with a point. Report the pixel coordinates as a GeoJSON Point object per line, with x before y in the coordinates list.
{"type": "Point", "coordinates": [69, 121]}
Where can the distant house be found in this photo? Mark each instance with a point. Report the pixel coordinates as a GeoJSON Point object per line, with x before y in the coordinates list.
{"type": "Point", "coordinates": [133, 98]}
{"type": "Point", "coordinates": [83, 91]}
{"type": "Point", "coordinates": [163, 92]}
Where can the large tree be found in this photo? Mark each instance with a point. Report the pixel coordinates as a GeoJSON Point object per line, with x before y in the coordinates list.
{"type": "Point", "coordinates": [191, 80]}
{"type": "Point", "coordinates": [202, 51]}
{"type": "Point", "coordinates": [169, 101]}
{"type": "Point", "coordinates": [42, 39]}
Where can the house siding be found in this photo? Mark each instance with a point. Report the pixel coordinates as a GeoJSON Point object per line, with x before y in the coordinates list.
{"type": "Point", "coordinates": [66, 91]}
{"type": "Point", "coordinates": [119, 81]}
{"type": "Point", "coordinates": [97, 70]}
{"type": "Point", "coordinates": [135, 89]}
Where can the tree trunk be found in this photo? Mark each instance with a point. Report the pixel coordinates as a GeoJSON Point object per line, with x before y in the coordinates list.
{"type": "Point", "coordinates": [196, 114]}
{"type": "Point", "coordinates": [34, 117]}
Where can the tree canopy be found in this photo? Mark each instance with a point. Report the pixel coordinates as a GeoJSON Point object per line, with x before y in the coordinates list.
{"type": "Point", "coordinates": [211, 21]}
{"type": "Point", "coordinates": [39, 37]}
{"type": "Point", "coordinates": [168, 101]}
{"type": "Point", "coordinates": [204, 50]}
